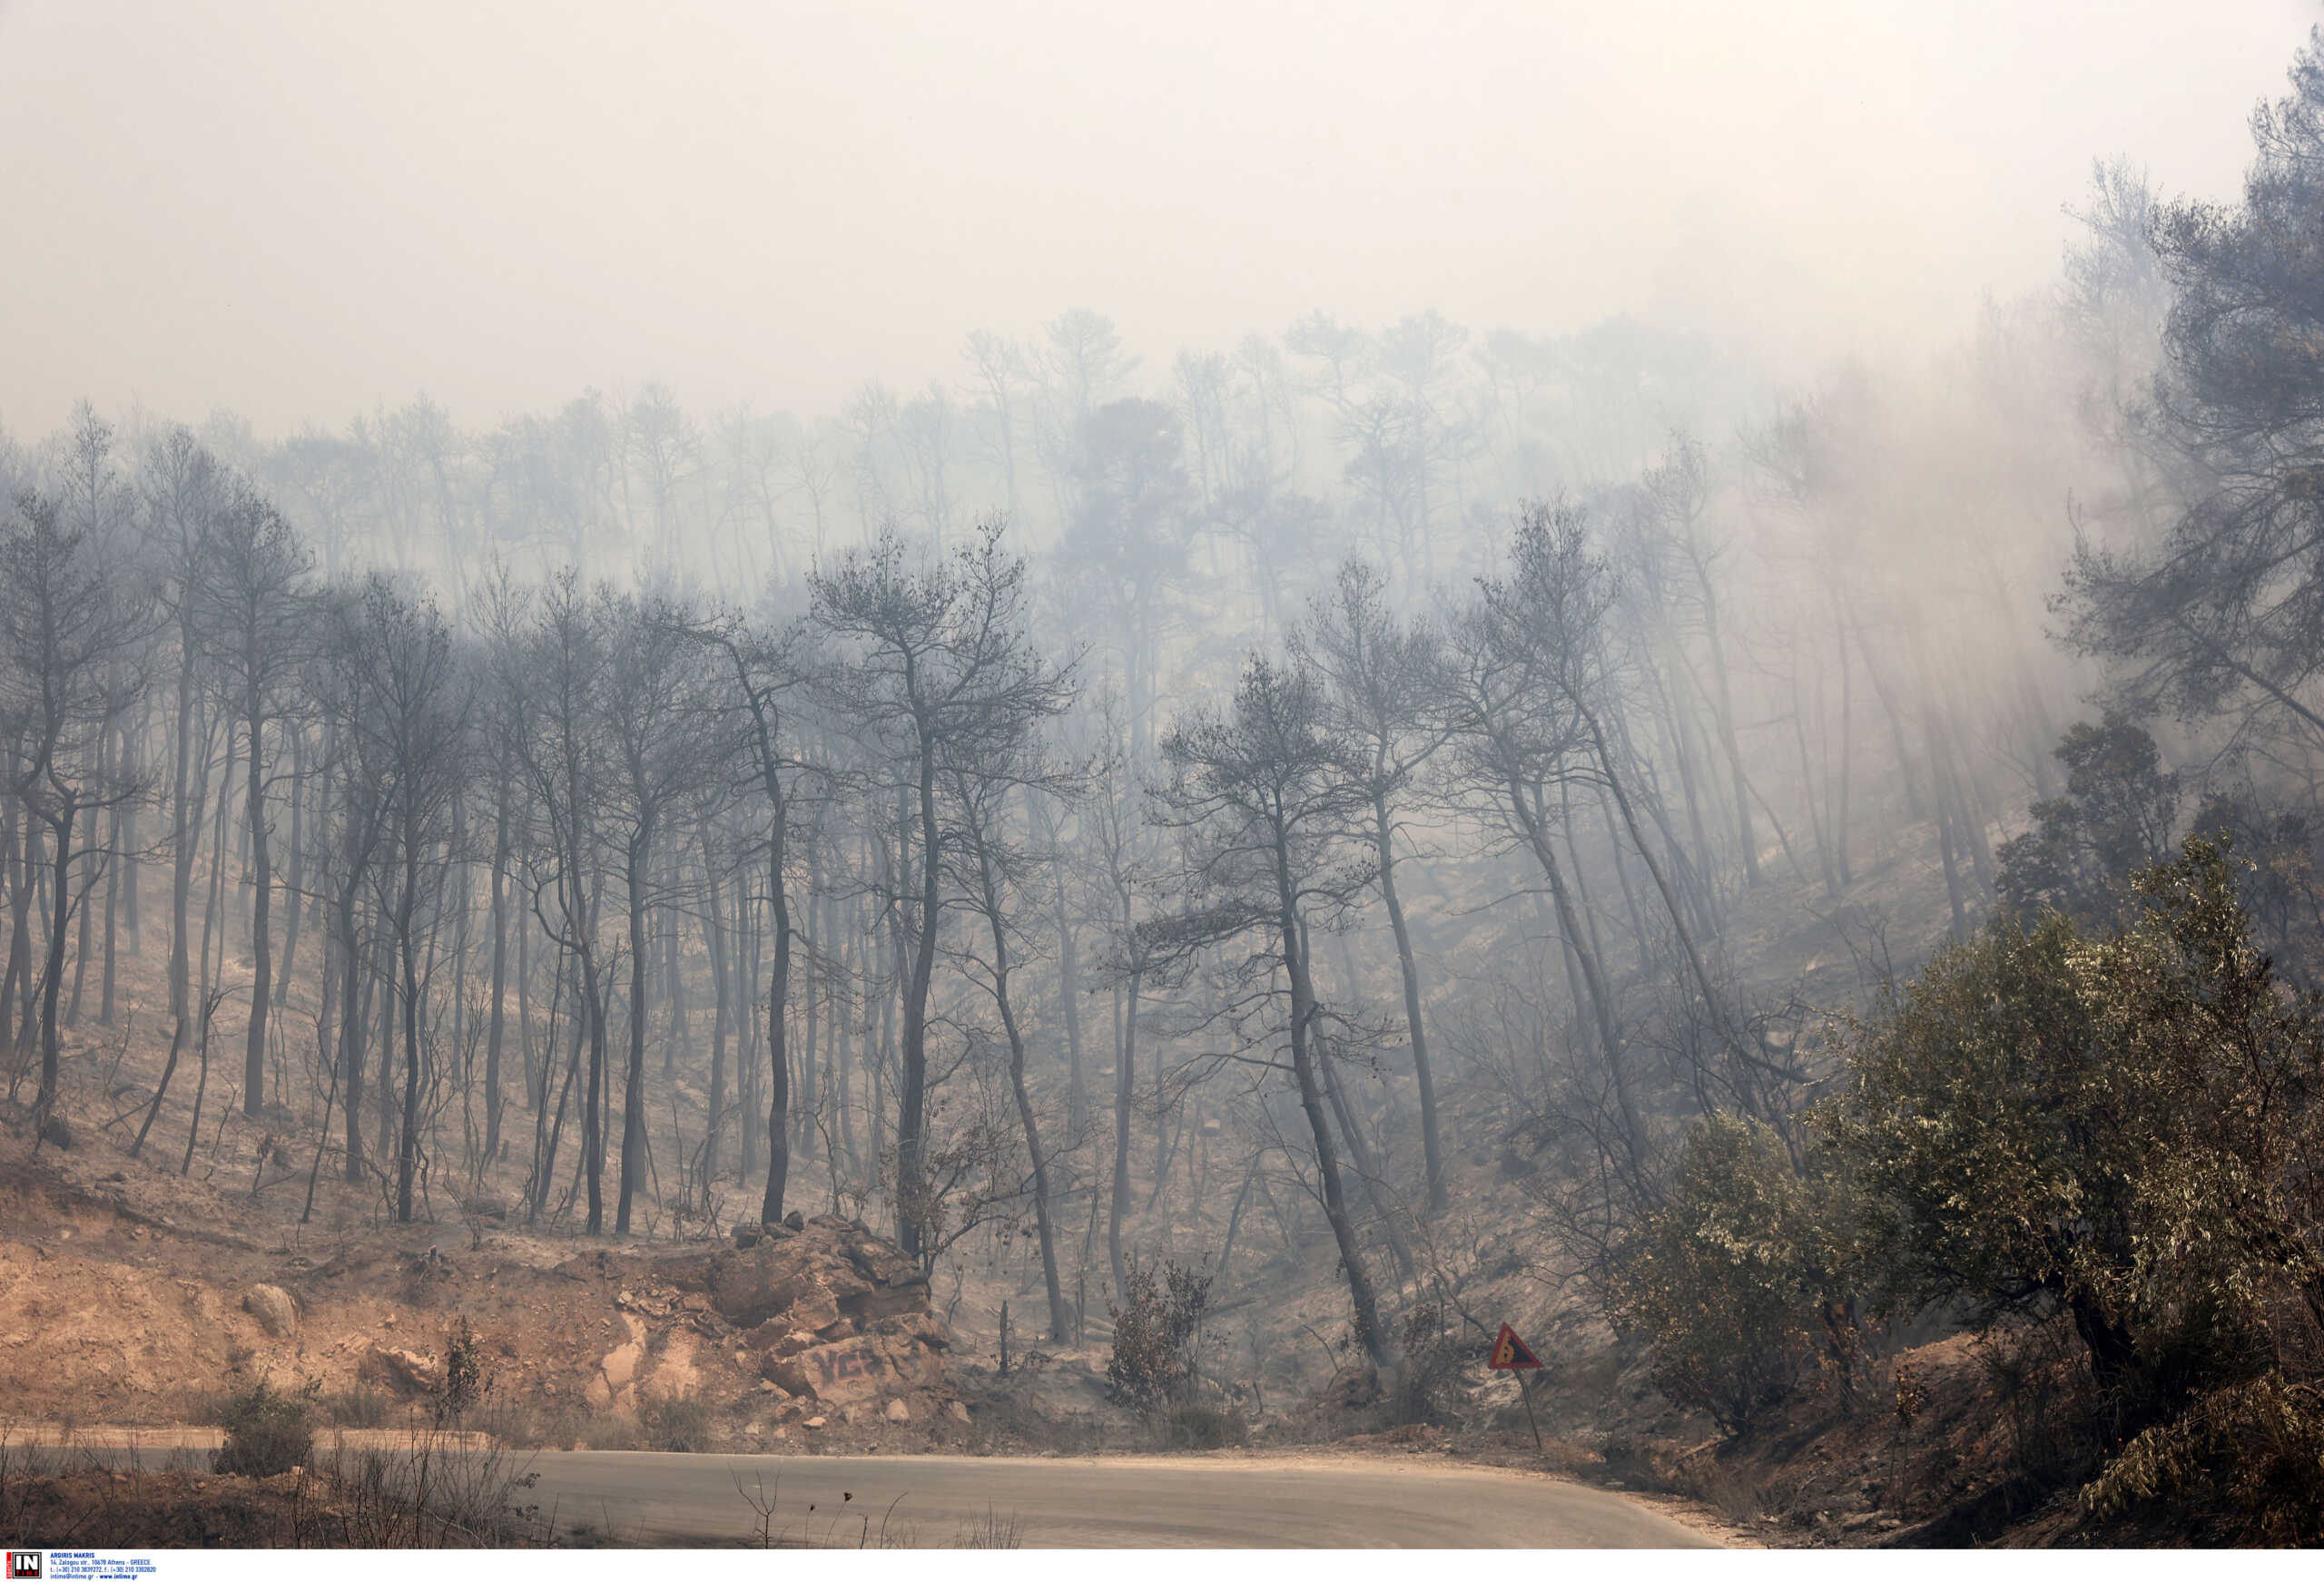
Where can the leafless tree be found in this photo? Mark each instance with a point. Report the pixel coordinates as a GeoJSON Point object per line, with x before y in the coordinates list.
{"type": "Point", "coordinates": [937, 665]}
{"type": "Point", "coordinates": [249, 591]}
{"type": "Point", "coordinates": [74, 614]}
{"type": "Point", "coordinates": [1267, 792]}
{"type": "Point", "coordinates": [1381, 679]}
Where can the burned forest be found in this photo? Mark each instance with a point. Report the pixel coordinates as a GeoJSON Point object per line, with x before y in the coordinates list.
{"type": "Point", "coordinates": [1133, 895]}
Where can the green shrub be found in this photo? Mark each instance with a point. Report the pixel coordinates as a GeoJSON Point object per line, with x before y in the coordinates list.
{"type": "Point", "coordinates": [267, 1431]}
{"type": "Point", "coordinates": [2110, 1128]}
{"type": "Point", "coordinates": [2249, 1456]}
{"type": "Point", "coordinates": [2116, 1131]}
{"type": "Point", "coordinates": [1738, 1279]}
{"type": "Point", "coordinates": [2116, 819]}
{"type": "Point", "coordinates": [1998, 1134]}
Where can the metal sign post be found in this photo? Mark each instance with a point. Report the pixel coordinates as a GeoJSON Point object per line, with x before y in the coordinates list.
{"type": "Point", "coordinates": [1512, 1355]}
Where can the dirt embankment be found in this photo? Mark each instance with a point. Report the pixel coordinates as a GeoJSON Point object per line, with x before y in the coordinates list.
{"type": "Point", "coordinates": [132, 1296]}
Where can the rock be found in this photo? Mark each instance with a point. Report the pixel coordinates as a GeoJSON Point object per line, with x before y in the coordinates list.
{"type": "Point", "coordinates": [794, 1220]}
{"type": "Point", "coordinates": [814, 1422]}
{"type": "Point", "coordinates": [273, 1308]}
{"type": "Point", "coordinates": [406, 1370]}
{"type": "Point", "coordinates": [924, 1327]}
{"type": "Point", "coordinates": [862, 1368]}
{"type": "Point", "coordinates": [845, 1370]}
{"type": "Point", "coordinates": [841, 1281]}
{"type": "Point", "coordinates": [828, 1311]}
{"type": "Point", "coordinates": [888, 1301]}
{"type": "Point", "coordinates": [619, 1366]}
{"type": "Point", "coordinates": [755, 1285]}
{"type": "Point", "coordinates": [882, 1263]}
{"type": "Point", "coordinates": [776, 1339]}
{"type": "Point", "coordinates": [814, 1310]}
{"type": "Point", "coordinates": [956, 1411]}
{"type": "Point", "coordinates": [917, 1366]}
{"type": "Point", "coordinates": [897, 1411]}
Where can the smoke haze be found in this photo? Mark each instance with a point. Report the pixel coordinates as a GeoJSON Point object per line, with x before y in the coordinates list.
{"type": "Point", "coordinates": [262, 206]}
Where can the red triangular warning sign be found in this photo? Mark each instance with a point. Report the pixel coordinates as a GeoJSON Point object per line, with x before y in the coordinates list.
{"type": "Point", "coordinates": [1509, 1352]}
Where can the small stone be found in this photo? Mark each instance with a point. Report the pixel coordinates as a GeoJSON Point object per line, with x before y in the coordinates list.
{"type": "Point", "coordinates": [956, 1411]}
{"type": "Point", "coordinates": [814, 1422]}
{"type": "Point", "coordinates": [271, 1305]}
{"type": "Point", "coordinates": [897, 1411]}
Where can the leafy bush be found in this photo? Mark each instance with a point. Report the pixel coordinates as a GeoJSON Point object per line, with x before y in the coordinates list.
{"type": "Point", "coordinates": [1990, 1125]}
{"type": "Point", "coordinates": [2120, 808]}
{"type": "Point", "coordinates": [2275, 855]}
{"type": "Point", "coordinates": [2250, 1456]}
{"type": "Point", "coordinates": [467, 1382]}
{"type": "Point", "coordinates": [2118, 1134]}
{"type": "Point", "coordinates": [1152, 1365]}
{"type": "Point", "coordinates": [267, 1431]}
{"type": "Point", "coordinates": [1739, 1277]}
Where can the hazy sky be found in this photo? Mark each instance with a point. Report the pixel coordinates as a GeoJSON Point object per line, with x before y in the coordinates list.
{"type": "Point", "coordinates": [300, 209]}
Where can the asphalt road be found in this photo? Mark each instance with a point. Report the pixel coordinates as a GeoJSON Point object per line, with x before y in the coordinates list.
{"type": "Point", "coordinates": [935, 1501]}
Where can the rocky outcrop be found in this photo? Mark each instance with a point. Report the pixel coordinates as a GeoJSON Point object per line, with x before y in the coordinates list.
{"type": "Point", "coordinates": [827, 1312]}
{"type": "Point", "coordinates": [273, 1308]}
{"type": "Point", "coordinates": [406, 1371]}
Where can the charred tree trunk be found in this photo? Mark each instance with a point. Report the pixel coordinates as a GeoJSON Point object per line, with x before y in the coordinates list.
{"type": "Point", "coordinates": [720, 1012]}
{"type": "Point", "coordinates": [1125, 1091]}
{"type": "Point", "coordinates": [496, 1019]}
{"type": "Point", "coordinates": [261, 913]}
{"type": "Point", "coordinates": [1408, 970]}
{"type": "Point", "coordinates": [633, 1124]}
{"type": "Point", "coordinates": [1361, 1297]}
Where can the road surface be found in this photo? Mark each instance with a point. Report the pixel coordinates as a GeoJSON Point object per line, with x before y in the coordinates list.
{"type": "Point", "coordinates": [638, 1495]}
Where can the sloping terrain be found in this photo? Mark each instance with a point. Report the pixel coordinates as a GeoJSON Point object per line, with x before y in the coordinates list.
{"type": "Point", "coordinates": [128, 1296]}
